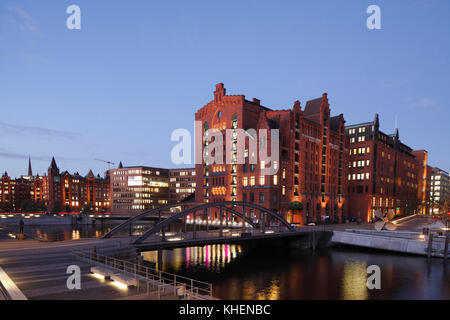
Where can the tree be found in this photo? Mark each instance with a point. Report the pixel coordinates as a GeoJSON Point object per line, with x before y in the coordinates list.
{"type": "Point", "coordinates": [296, 205]}
{"type": "Point", "coordinates": [87, 208]}
{"type": "Point", "coordinates": [57, 208]}
{"type": "Point", "coordinates": [28, 206]}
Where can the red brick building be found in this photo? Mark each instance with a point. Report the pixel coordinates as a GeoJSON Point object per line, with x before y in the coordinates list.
{"type": "Point", "coordinates": [383, 172]}
{"type": "Point", "coordinates": [424, 181]}
{"type": "Point", "coordinates": [72, 192]}
{"type": "Point", "coordinates": [7, 197]}
{"type": "Point", "coordinates": [312, 167]}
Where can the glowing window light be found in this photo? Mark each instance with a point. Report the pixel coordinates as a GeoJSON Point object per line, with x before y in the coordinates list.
{"type": "Point", "coordinates": [175, 239]}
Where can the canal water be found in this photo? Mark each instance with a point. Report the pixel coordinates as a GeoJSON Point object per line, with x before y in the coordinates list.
{"type": "Point", "coordinates": [338, 273]}
{"type": "Point", "coordinates": [240, 272]}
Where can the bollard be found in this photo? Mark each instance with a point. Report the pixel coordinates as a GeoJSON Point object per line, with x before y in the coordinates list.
{"type": "Point", "coordinates": [430, 245]}
{"type": "Point", "coordinates": [447, 239]}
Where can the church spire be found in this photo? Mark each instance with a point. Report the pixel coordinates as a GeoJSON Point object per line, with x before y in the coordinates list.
{"type": "Point", "coordinates": [30, 171]}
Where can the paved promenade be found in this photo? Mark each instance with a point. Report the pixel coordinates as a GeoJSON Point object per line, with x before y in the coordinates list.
{"type": "Point", "coordinates": [39, 271]}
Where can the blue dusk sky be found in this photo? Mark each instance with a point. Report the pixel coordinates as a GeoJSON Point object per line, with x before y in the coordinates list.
{"type": "Point", "coordinates": [137, 70]}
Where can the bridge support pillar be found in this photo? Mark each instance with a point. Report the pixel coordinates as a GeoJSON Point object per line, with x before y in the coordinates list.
{"type": "Point", "coordinates": [160, 259]}
{"type": "Point", "coordinates": [263, 222]}
{"type": "Point", "coordinates": [207, 220]}
{"type": "Point", "coordinates": [221, 222]}
{"type": "Point", "coordinates": [163, 232]}
{"type": "Point", "coordinates": [195, 229]}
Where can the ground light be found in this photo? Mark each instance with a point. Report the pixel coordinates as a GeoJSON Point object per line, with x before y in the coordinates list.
{"type": "Point", "coordinates": [98, 276]}
{"type": "Point", "coordinates": [120, 285]}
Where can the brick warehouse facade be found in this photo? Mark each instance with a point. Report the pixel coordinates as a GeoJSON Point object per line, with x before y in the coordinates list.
{"type": "Point", "coordinates": [56, 191]}
{"type": "Point", "coordinates": [383, 172]}
{"type": "Point", "coordinates": [312, 167]}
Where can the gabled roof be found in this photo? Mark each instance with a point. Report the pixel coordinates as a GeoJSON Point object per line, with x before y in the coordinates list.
{"type": "Point", "coordinates": [53, 165]}
{"type": "Point", "coordinates": [312, 107]}
{"type": "Point", "coordinates": [334, 122]}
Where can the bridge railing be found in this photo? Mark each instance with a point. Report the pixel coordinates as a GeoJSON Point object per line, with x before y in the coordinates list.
{"type": "Point", "coordinates": [160, 282]}
{"type": "Point", "coordinates": [231, 232]}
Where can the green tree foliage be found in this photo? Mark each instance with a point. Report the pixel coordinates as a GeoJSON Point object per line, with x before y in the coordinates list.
{"type": "Point", "coordinates": [296, 205]}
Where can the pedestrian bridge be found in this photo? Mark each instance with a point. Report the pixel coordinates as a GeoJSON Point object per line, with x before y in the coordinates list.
{"type": "Point", "coordinates": [207, 223]}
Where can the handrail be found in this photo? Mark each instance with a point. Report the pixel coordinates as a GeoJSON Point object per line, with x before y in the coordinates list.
{"type": "Point", "coordinates": [193, 289]}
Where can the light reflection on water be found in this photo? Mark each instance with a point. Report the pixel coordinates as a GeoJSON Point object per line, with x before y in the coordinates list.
{"type": "Point", "coordinates": [354, 281]}
{"type": "Point", "coordinates": [238, 272]}
{"type": "Point", "coordinates": [213, 258]}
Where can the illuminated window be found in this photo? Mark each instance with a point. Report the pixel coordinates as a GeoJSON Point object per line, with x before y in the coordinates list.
{"type": "Point", "coordinates": [245, 182]}
{"type": "Point", "coordinates": [283, 190]}
{"type": "Point", "coordinates": [252, 181]}
{"type": "Point", "coordinates": [275, 180]}
{"type": "Point", "coordinates": [262, 180]}
{"type": "Point", "coordinates": [284, 173]}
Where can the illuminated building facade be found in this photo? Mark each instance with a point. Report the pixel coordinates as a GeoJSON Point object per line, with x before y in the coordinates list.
{"type": "Point", "coordinates": [181, 184]}
{"type": "Point", "coordinates": [424, 181]}
{"type": "Point", "coordinates": [383, 172]}
{"type": "Point", "coordinates": [7, 194]}
{"type": "Point", "coordinates": [311, 169]}
{"type": "Point", "coordinates": [439, 191]}
{"type": "Point", "coordinates": [72, 192]}
{"type": "Point", "coordinates": [137, 189]}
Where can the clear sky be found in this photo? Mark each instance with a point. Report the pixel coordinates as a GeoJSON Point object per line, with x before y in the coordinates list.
{"type": "Point", "coordinates": [137, 70]}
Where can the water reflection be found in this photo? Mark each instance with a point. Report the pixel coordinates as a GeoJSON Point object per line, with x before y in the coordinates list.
{"type": "Point", "coordinates": [239, 272]}
{"type": "Point", "coordinates": [212, 258]}
{"type": "Point", "coordinates": [354, 281]}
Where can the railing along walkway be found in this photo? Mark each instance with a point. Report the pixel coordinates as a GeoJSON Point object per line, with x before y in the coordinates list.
{"type": "Point", "coordinates": [163, 283]}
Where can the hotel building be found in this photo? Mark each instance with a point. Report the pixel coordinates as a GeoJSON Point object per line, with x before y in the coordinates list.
{"type": "Point", "coordinates": [439, 191]}
{"type": "Point", "coordinates": [312, 167]}
{"type": "Point", "coordinates": [138, 189]}
{"type": "Point", "coordinates": [181, 184]}
{"type": "Point", "coordinates": [383, 172]}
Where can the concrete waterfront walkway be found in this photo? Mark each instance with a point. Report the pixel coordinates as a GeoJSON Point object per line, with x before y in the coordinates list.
{"type": "Point", "coordinates": [408, 238]}
{"type": "Point", "coordinates": [39, 270]}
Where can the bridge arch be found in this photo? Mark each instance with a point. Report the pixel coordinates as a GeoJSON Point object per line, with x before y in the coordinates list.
{"type": "Point", "coordinates": [155, 211]}
{"type": "Point", "coordinates": [220, 205]}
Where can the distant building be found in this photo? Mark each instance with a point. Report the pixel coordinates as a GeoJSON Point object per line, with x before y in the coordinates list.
{"type": "Point", "coordinates": [424, 181]}
{"type": "Point", "coordinates": [312, 166]}
{"type": "Point", "coordinates": [7, 194]}
{"type": "Point", "coordinates": [181, 184]}
{"type": "Point", "coordinates": [383, 172]}
{"type": "Point", "coordinates": [56, 192]}
{"type": "Point", "coordinates": [439, 192]}
{"type": "Point", "coordinates": [137, 189]}
{"type": "Point", "coordinates": [72, 192]}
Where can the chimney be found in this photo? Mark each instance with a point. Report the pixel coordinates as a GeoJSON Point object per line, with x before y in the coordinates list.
{"type": "Point", "coordinates": [257, 101]}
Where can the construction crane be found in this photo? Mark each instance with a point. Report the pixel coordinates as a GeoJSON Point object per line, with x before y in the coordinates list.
{"type": "Point", "coordinates": [106, 161]}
